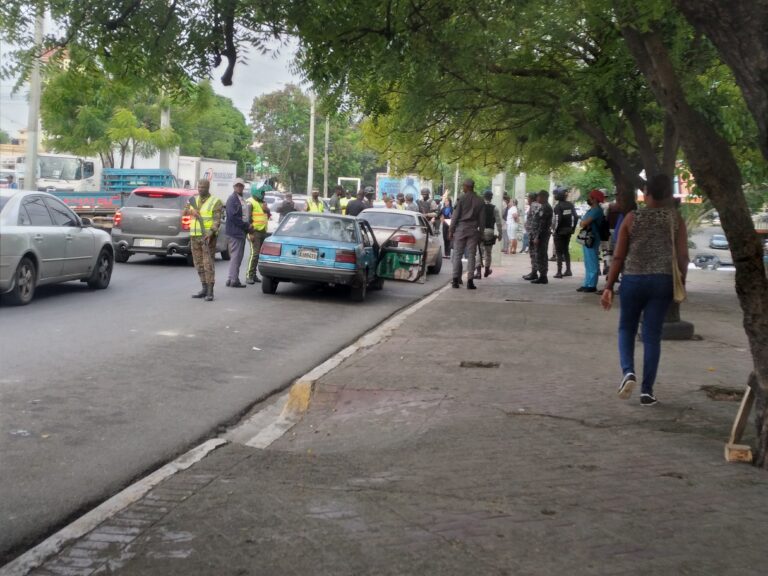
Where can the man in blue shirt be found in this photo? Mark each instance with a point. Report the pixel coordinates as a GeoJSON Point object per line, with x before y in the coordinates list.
{"type": "Point", "coordinates": [11, 184]}
{"type": "Point", "coordinates": [238, 224]}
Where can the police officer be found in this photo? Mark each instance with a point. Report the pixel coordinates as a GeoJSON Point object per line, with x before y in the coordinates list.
{"type": "Point", "coordinates": [563, 226]}
{"type": "Point", "coordinates": [533, 209]}
{"type": "Point", "coordinates": [541, 229]}
{"type": "Point", "coordinates": [464, 232]}
{"type": "Point", "coordinates": [314, 204]}
{"type": "Point", "coordinates": [206, 221]}
{"type": "Point", "coordinates": [491, 220]}
{"type": "Point", "coordinates": [345, 202]}
{"type": "Point", "coordinates": [335, 202]}
{"type": "Point", "coordinates": [259, 218]}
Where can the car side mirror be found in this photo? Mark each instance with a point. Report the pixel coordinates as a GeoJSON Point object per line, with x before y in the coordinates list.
{"type": "Point", "coordinates": [86, 222]}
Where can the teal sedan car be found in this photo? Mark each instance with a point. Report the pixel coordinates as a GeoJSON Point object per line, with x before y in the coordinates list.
{"type": "Point", "coordinates": [335, 250]}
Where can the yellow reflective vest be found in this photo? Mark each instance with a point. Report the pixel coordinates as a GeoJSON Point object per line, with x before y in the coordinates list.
{"type": "Point", "coordinates": [313, 206]}
{"type": "Point", "coordinates": [258, 216]}
{"type": "Point", "coordinates": [344, 202]}
{"type": "Point", "coordinates": [206, 215]}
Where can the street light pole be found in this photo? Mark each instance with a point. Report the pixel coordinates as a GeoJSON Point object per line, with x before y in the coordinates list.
{"type": "Point", "coordinates": [311, 161]}
{"type": "Point", "coordinates": [33, 118]}
{"type": "Point", "coordinates": [325, 158]}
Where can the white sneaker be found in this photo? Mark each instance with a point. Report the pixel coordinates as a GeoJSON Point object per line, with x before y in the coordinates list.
{"type": "Point", "coordinates": [627, 384]}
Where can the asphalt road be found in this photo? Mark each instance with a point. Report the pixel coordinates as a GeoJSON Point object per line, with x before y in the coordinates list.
{"type": "Point", "coordinates": [99, 387]}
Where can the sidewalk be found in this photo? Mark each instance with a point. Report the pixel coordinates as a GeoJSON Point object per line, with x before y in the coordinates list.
{"type": "Point", "coordinates": [411, 461]}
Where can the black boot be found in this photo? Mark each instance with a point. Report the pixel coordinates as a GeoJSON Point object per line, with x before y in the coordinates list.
{"type": "Point", "coordinates": [455, 283]}
{"type": "Point", "coordinates": [209, 293]}
{"type": "Point", "coordinates": [478, 276]}
{"type": "Point", "coordinates": [471, 284]}
{"type": "Point", "coordinates": [488, 271]}
{"type": "Point", "coordinates": [202, 293]}
{"type": "Point", "coordinates": [558, 275]}
{"type": "Point", "coordinates": [540, 280]}
{"type": "Point", "coordinates": [568, 272]}
{"type": "Point", "coordinates": [532, 276]}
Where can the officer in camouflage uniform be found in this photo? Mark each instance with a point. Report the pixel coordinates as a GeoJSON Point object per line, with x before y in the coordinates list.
{"type": "Point", "coordinates": [533, 209]}
{"type": "Point", "coordinates": [205, 211]}
{"type": "Point", "coordinates": [541, 230]}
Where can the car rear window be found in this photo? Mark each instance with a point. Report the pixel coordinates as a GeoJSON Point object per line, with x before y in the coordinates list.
{"type": "Point", "coordinates": [387, 219]}
{"type": "Point", "coordinates": [318, 228]}
{"type": "Point", "coordinates": [169, 200]}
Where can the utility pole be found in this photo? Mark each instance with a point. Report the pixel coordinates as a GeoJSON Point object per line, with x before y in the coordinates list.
{"type": "Point", "coordinates": [33, 119]}
{"type": "Point", "coordinates": [311, 161]}
{"type": "Point", "coordinates": [165, 122]}
{"type": "Point", "coordinates": [325, 158]}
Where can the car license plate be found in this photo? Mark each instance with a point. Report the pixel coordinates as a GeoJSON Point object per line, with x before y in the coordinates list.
{"type": "Point", "coordinates": [148, 243]}
{"type": "Point", "coordinates": [308, 253]}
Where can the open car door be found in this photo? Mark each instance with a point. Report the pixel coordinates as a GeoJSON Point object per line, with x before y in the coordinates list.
{"type": "Point", "coordinates": [403, 256]}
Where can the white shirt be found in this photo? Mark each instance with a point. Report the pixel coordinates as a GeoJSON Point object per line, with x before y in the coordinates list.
{"type": "Point", "coordinates": [511, 213]}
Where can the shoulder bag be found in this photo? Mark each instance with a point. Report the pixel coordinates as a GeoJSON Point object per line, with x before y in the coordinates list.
{"type": "Point", "coordinates": [679, 293]}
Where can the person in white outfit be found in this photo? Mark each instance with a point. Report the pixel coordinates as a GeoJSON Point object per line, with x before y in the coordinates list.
{"type": "Point", "coordinates": [513, 219]}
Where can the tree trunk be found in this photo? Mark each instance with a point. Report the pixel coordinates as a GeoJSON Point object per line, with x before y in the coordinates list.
{"type": "Point", "coordinates": [716, 172]}
{"type": "Point", "coordinates": [739, 31]}
{"type": "Point", "coordinates": [626, 184]}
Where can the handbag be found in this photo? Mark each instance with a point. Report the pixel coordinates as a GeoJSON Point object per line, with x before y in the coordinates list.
{"type": "Point", "coordinates": [586, 237]}
{"type": "Point", "coordinates": [679, 294]}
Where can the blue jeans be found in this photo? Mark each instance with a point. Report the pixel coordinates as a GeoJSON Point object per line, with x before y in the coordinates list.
{"type": "Point", "coordinates": [649, 295]}
{"type": "Point", "coordinates": [592, 265]}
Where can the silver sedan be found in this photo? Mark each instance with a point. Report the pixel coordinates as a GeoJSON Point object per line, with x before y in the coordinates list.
{"type": "Point", "coordinates": [43, 242]}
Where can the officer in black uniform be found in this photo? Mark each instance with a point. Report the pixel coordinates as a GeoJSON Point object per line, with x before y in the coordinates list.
{"type": "Point", "coordinates": [563, 226]}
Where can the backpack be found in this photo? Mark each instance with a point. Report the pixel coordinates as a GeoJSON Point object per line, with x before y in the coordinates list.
{"type": "Point", "coordinates": [604, 230]}
{"type": "Point", "coordinates": [490, 215]}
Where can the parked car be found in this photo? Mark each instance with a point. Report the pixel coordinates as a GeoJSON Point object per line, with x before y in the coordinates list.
{"type": "Point", "coordinates": [385, 221]}
{"type": "Point", "coordinates": [43, 242]}
{"type": "Point", "coordinates": [336, 250]}
{"type": "Point", "coordinates": [152, 221]}
{"type": "Point", "coordinates": [718, 242]}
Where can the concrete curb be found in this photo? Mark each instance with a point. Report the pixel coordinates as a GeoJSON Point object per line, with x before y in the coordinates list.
{"type": "Point", "coordinates": [36, 556]}
{"type": "Point", "coordinates": [259, 431]}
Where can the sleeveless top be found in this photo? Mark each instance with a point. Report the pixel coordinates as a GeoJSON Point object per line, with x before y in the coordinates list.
{"type": "Point", "coordinates": [650, 242]}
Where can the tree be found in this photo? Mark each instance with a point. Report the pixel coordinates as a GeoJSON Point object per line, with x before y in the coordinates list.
{"type": "Point", "coordinates": [5, 138]}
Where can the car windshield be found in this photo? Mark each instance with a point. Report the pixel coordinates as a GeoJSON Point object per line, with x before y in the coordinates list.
{"type": "Point", "coordinates": [317, 227]}
{"type": "Point", "coordinates": [719, 237]}
{"type": "Point", "coordinates": [156, 200]}
{"type": "Point", "coordinates": [387, 219]}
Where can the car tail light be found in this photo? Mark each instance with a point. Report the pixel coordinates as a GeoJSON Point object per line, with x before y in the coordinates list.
{"type": "Point", "coordinates": [346, 256]}
{"type": "Point", "coordinates": [403, 239]}
{"type": "Point", "coordinates": [186, 222]}
{"type": "Point", "coordinates": [271, 249]}
{"type": "Point", "coordinates": [118, 218]}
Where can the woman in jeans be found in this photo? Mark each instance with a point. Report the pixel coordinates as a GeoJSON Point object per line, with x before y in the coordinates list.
{"type": "Point", "coordinates": [592, 220]}
{"type": "Point", "coordinates": [644, 255]}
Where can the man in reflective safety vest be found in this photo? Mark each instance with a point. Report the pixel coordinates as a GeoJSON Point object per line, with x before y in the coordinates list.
{"type": "Point", "coordinates": [206, 221]}
{"type": "Point", "coordinates": [345, 201]}
{"type": "Point", "coordinates": [259, 217]}
{"type": "Point", "coordinates": [315, 204]}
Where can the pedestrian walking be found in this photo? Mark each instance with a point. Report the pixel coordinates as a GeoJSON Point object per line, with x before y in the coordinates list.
{"type": "Point", "coordinates": [464, 231]}
{"type": "Point", "coordinates": [541, 230]}
{"type": "Point", "coordinates": [237, 226]}
{"type": "Point", "coordinates": [652, 240]}
{"type": "Point", "coordinates": [490, 234]}
{"type": "Point", "coordinates": [590, 240]}
{"type": "Point", "coordinates": [205, 211]}
{"type": "Point", "coordinates": [446, 213]}
{"type": "Point", "coordinates": [314, 204]}
{"type": "Point", "coordinates": [533, 209]}
{"type": "Point", "coordinates": [513, 223]}
{"type": "Point", "coordinates": [563, 226]}
{"type": "Point", "coordinates": [357, 205]}
{"type": "Point", "coordinates": [259, 220]}
{"type": "Point", "coordinates": [10, 183]}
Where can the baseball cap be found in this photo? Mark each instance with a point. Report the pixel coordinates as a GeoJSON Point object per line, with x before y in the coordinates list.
{"type": "Point", "coordinates": [240, 182]}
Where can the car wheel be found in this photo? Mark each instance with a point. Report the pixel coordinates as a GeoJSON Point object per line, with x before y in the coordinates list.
{"type": "Point", "coordinates": [268, 285]}
{"type": "Point", "coordinates": [102, 273]}
{"type": "Point", "coordinates": [377, 284]}
{"type": "Point", "coordinates": [438, 263]}
{"type": "Point", "coordinates": [122, 256]}
{"type": "Point", "coordinates": [24, 281]}
{"type": "Point", "coordinates": [225, 254]}
{"type": "Point", "coordinates": [358, 292]}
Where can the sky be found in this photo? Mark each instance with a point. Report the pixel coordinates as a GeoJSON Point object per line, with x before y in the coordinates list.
{"type": "Point", "coordinates": [261, 74]}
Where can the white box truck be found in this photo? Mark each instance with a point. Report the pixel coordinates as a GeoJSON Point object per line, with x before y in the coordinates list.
{"type": "Point", "coordinates": [220, 173]}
